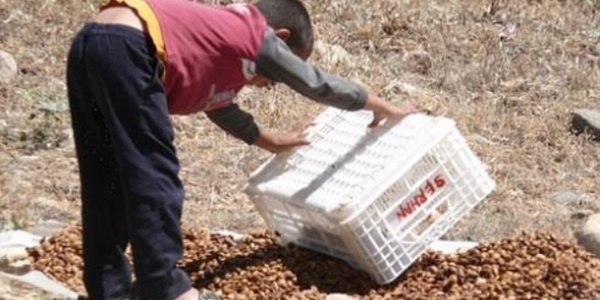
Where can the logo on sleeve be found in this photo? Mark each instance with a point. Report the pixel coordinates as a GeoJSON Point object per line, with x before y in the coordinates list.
{"type": "Point", "coordinates": [248, 68]}
{"type": "Point", "coordinates": [219, 99]}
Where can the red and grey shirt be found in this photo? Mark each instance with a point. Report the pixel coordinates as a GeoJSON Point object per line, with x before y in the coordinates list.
{"type": "Point", "coordinates": [211, 52]}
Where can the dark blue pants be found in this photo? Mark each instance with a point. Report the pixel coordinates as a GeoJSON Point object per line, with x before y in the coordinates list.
{"type": "Point", "coordinates": [128, 166]}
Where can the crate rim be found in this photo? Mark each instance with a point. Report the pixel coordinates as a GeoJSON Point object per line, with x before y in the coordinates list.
{"type": "Point", "coordinates": [444, 125]}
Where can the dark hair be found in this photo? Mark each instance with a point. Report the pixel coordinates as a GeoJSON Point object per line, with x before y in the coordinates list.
{"type": "Point", "coordinates": [292, 15]}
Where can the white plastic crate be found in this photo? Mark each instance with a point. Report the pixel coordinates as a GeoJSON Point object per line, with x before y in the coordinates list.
{"type": "Point", "coordinates": [376, 198]}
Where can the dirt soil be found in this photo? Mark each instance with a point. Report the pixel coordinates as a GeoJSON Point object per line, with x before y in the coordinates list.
{"type": "Point", "coordinates": [508, 72]}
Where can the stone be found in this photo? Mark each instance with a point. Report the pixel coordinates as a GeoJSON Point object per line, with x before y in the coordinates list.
{"type": "Point", "coordinates": [565, 197]}
{"type": "Point", "coordinates": [589, 235]}
{"type": "Point", "coordinates": [586, 120]}
{"type": "Point", "coordinates": [14, 260]}
{"type": "Point", "coordinates": [19, 267]}
{"type": "Point", "coordinates": [12, 254]}
{"type": "Point", "coordinates": [47, 228]}
{"type": "Point", "coordinates": [581, 214]}
{"type": "Point", "coordinates": [8, 67]}
{"type": "Point", "coordinates": [402, 87]}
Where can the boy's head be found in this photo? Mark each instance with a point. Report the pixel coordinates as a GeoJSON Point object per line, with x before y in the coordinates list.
{"type": "Point", "coordinates": [291, 22]}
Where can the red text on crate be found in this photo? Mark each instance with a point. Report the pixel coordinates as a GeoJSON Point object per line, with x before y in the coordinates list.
{"type": "Point", "coordinates": [425, 192]}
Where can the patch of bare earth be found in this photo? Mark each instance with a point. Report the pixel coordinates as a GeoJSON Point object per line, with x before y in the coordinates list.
{"type": "Point", "coordinates": [508, 72]}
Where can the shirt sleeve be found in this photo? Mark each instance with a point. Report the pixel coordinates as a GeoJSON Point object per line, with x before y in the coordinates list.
{"type": "Point", "coordinates": [278, 63]}
{"type": "Point", "coordinates": [233, 120]}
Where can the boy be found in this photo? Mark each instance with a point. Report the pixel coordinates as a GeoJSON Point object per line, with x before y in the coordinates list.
{"type": "Point", "coordinates": [140, 61]}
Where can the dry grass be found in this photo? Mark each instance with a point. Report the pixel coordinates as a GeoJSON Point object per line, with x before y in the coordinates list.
{"type": "Point", "coordinates": [509, 73]}
{"type": "Point", "coordinates": [509, 79]}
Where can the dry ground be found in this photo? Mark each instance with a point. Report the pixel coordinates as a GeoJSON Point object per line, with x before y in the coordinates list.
{"type": "Point", "coordinates": [509, 73]}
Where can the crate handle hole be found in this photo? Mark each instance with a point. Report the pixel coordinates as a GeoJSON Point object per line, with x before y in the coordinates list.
{"type": "Point", "coordinates": [437, 213]}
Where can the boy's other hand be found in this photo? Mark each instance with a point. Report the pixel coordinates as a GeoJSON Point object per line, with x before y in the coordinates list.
{"type": "Point", "coordinates": [296, 137]}
{"type": "Point", "coordinates": [383, 110]}
{"type": "Point", "coordinates": [283, 142]}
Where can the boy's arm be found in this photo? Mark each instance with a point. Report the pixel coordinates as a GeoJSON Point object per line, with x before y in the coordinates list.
{"type": "Point", "coordinates": [279, 64]}
{"type": "Point", "coordinates": [276, 62]}
{"type": "Point", "coordinates": [240, 124]}
{"type": "Point", "coordinates": [233, 120]}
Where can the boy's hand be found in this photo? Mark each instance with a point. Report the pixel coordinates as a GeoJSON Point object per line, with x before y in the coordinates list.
{"type": "Point", "coordinates": [283, 142]}
{"type": "Point", "coordinates": [386, 110]}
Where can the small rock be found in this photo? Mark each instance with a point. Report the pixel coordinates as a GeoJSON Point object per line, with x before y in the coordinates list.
{"type": "Point", "coordinates": [12, 254]}
{"type": "Point", "coordinates": [47, 228]}
{"type": "Point", "coordinates": [565, 197]}
{"type": "Point", "coordinates": [340, 297]}
{"type": "Point", "coordinates": [19, 267]}
{"type": "Point", "coordinates": [403, 87]}
{"type": "Point", "coordinates": [8, 67]}
{"type": "Point", "coordinates": [589, 236]}
{"type": "Point", "coordinates": [14, 260]}
{"type": "Point", "coordinates": [586, 120]}
{"type": "Point", "coordinates": [581, 214]}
